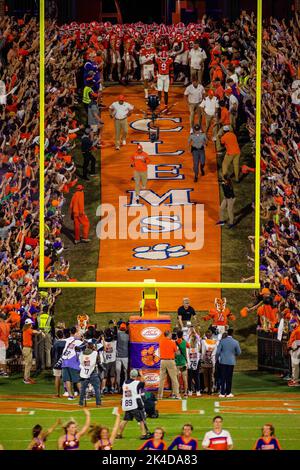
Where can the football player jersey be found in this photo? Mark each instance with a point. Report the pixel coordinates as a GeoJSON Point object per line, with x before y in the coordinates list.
{"type": "Point", "coordinates": [147, 55]}
{"type": "Point", "coordinates": [164, 66]}
{"type": "Point", "coordinates": [217, 441]}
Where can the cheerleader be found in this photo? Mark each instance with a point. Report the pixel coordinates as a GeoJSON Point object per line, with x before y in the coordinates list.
{"type": "Point", "coordinates": [267, 441]}
{"type": "Point", "coordinates": [70, 440]}
{"type": "Point", "coordinates": [39, 436]}
{"type": "Point", "coordinates": [157, 442]}
{"type": "Point", "coordinates": [101, 437]}
{"type": "Point", "coordinates": [185, 441]}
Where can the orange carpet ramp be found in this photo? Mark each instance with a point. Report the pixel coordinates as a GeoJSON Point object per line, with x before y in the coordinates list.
{"type": "Point", "coordinates": [171, 234]}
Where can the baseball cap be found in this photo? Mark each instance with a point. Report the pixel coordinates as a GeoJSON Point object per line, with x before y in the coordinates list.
{"type": "Point", "coordinates": [265, 291]}
{"type": "Point", "coordinates": [122, 327]}
{"type": "Point", "coordinates": [79, 187]}
{"type": "Point", "coordinates": [134, 373]}
{"type": "Point", "coordinates": [28, 322]}
{"type": "Point", "coordinates": [140, 147]}
{"type": "Point", "coordinates": [226, 128]}
{"type": "Point", "coordinates": [121, 97]}
{"type": "Point", "coordinates": [210, 93]}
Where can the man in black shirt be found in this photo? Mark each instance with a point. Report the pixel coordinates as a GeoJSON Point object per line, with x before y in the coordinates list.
{"type": "Point", "coordinates": [227, 203]}
{"type": "Point", "coordinates": [185, 312]}
{"type": "Point", "coordinates": [86, 148]}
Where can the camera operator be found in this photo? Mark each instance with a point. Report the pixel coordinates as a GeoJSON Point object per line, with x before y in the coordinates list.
{"type": "Point", "coordinates": [132, 403]}
{"type": "Point", "coordinates": [88, 360]}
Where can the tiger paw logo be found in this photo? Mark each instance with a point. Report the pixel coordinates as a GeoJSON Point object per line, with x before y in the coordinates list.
{"type": "Point", "coordinates": [149, 356]}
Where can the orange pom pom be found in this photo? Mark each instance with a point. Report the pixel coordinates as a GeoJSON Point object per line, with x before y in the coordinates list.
{"type": "Point", "coordinates": [244, 312]}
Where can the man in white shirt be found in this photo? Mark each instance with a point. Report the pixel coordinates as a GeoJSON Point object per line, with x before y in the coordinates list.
{"type": "Point", "coordinates": [218, 438]}
{"type": "Point", "coordinates": [197, 57]}
{"type": "Point", "coordinates": [194, 95]}
{"type": "Point", "coordinates": [210, 106]}
{"type": "Point", "coordinates": [89, 372]}
{"type": "Point", "coordinates": [119, 111]}
{"type": "Point", "coordinates": [233, 107]}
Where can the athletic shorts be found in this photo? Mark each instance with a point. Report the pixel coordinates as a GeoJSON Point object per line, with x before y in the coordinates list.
{"type": "Point", "coordinates": [163, 83]}
{"type": "Point", "coordinates": [138, 415]}
{"type": "Point", "coordinates": [57, 372]}
{"type": "Point", "coordinates": [70, 375]}
{"type": "Point", "coordinates": [109, 369]}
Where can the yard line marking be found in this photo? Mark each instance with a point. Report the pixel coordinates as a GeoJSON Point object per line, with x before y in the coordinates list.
{"type": "Point", "coordinates": [18, 410]}
{"type": "Point", "coordinates": [184, 405]}
{"type": "Point", "coordinates": [217, 410]}
{"type": "Point", "coordinates": [201, 412]}
{"type": "Point", "coordinates": [32, 412]}
{"type": "Point", "coordinates": [217, 403]}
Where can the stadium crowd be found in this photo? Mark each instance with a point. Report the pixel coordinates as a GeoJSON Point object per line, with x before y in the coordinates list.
{"type": "Point", "coordinates": [78, 59]}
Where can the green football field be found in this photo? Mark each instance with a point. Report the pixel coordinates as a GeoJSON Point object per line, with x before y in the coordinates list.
{"type": "Point", "coordinates": [259, 398]}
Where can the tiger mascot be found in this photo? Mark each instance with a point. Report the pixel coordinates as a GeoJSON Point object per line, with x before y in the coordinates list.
{"type": "Point", "coordinates": [82, 323]}
{"type": "Point", "coordinates": [220, 315]}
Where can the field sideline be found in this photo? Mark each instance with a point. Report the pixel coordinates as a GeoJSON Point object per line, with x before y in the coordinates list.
{"type": "Point", "coordinates": [254, 404]}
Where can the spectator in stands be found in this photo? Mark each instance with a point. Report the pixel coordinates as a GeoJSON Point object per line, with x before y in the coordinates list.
{"type": "Point", "coordinates": [4, 335]}
{"type": "Point", "coordinates": [294, 348]}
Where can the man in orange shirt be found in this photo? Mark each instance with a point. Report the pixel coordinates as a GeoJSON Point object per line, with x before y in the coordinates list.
{"type": "Point", "coordinates": [78, 215]}
{"type": "Point", "coordinates": [4, 335]}
{"type": "Point", "coordinates": [232, 152]}
{"type": "Point", "coordinates": [294, 348]}
{"type": "Point", "coordinates": [27, 342]}
{"type": "Point", "coordinates": [168, 350]}
{"type": "Point", "coordinates": [139, 162]}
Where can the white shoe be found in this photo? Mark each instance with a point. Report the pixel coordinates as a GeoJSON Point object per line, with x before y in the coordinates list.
{"type": "Point", "coordinates": [214, 139]}
{"type": "Point", "coordinates": [230, 395]}
{"type": "Point", "coordinates": [198, 394]}
{"type": "Point", "coordinates": [222, 396]}
{"type": "Point", "coordinates": [190, 394]}
{"type": "Point", "coordinates": [191, 130]}
{"type": "Point", "coordinates": [123, 142]}
{"type": "Point", "coordinates": [65, 394]}
{"type": "Point", "coordinates": [76, 394]}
